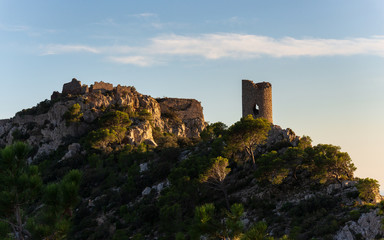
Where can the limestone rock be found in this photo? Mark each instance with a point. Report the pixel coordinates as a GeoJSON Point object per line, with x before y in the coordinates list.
{"type": "Point", "coordinates": [146, 191]}
{"type": "Point", "coordinates": [47, 130]}
{"type": "Point", "coordinates": [277, 134]}
{"type": "Point", "coordinates": [368, 226]}
{"type": "Point", "coordinates": [143, 167]}
{"type": "Point", "coordinates": [333, 187]}
{"type": "Point", "coordinates": [182, 117]}
{"type": "Point", "coordinates": [141, 133]}
{"type": "Point", "coordinates": [73, 149]}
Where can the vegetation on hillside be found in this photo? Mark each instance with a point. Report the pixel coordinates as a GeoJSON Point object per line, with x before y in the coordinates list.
{"type": "Point", "coordinates": [226, 185]}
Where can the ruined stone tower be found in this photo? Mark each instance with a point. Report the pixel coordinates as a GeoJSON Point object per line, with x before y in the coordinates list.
{"type": "Point", "coordinates": [257, 99]}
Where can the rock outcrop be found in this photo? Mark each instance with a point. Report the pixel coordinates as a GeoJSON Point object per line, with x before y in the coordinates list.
{"type": "Point", "coordinates": [368, 226]}
{"type": "Point", "coordinates": [45, 127]}
{"type": "Point", "coordinates": [182, 116]}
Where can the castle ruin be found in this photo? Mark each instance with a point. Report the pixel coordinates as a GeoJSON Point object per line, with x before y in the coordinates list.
{"type": "Point", "coordinates": [257, 99]}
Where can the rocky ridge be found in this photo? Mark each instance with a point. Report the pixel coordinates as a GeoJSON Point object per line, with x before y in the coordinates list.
{"type": "Point", "coordinates": [109, 189]}
{"type": "Point", "coordinates": [44, 126]}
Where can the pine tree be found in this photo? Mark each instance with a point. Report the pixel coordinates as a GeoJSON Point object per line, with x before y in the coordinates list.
{"type": "Point", "coordinates": [20, 184]}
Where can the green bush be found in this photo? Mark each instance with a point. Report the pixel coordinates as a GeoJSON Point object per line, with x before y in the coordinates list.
{"type": "Point", "coordinates": [354, 215]}
{"type": "Point", "coordinates": [172, 116]}
{"type": "Point", "coordinates": [73, 114]}
{"type": "Point", "coordinates": [144, 114]}
{"type": "Point", "coordinates": [18, 135]}
{"type": "Point", "coordinates": [368, 188]}
{"type": "Point", "coordinates": [115, 118]}
{"type": "Point", "coordinates": [100, 139]}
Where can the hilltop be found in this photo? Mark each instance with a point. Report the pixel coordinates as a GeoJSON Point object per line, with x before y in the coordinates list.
{"type": "Point", "coordinates": [108, 162]}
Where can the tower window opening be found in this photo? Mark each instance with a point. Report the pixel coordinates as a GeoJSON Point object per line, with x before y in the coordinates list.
{"type": "Point", "coordinates": [256, 109]}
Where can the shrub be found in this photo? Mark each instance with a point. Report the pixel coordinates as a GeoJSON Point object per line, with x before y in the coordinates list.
{"type": "Point", "coordinates": [18, 135]}
{"type": "Point", "coordinates": [73, 114]}
{"type": "Point", "coordinates": [115, 118]}
{"type": "Point", "coordinates": [144, 114]}
{"type": "Point", "coordinates": [41, 108]}
{"type": "Point", "coordinates": [368, 188]}
{"type": "Point", "coordinates": [172, 116]}
{"type": "Point", "coordinates": [101, 138]}
{"type": "Point", "coordinates": [354, 215]}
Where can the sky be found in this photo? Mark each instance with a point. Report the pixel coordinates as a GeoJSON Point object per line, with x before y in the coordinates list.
{"type": "Point", "coordinates": [324, 59]}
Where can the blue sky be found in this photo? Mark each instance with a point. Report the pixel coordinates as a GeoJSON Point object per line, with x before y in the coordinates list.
{"type": "Point", "coordinates": [325, 59]}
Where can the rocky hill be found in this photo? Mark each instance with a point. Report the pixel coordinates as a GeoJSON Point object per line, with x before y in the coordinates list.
{"type": "Point", "coordinates": [46, 127]}
{"type": "Point", "coordinates": [153, 169]}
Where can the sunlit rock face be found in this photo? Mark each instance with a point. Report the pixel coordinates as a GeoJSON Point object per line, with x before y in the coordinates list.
{"type": "Point", "coordinates": [45, 127]}
{"type": "Point", "coordinates": [182, 117]}
{"type": "Point", "coordinates": [368, 226]}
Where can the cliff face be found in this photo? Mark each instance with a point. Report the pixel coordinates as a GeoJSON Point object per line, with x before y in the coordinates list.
{"type": "Point", "coordinates": [182, 116]}
{"type": "Point", "coordinates": [45, 127]}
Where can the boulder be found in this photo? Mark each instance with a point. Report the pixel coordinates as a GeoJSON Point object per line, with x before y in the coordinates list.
{"type": "Point", "coordinates": [73, 149]}
{"type": "Point", "coordinates": [146, 191]}
{"type": "Point", "coordinates": [143, 167]}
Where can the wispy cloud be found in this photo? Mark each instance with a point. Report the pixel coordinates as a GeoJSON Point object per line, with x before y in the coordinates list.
{"type": "Point", "coordinates": [230, 46]}
{"type": "Point", "coordinates": [216, 46]}
{"type": "Point", "coordinates": [144, 15]}
{"type": "Point", "coordinates": [142, 61]}
{"type": "Point", "coordinates": [53, 49]}
{"type": "Point", "coordinates": [14, 28]}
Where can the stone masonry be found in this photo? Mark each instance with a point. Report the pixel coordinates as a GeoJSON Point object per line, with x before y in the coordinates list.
{"type": "Point", "coordinates": [73, 87]}
{"type": "Point", "coordinates": [257, 99]}
{"type": "Point", "coordinates": [101, 87]}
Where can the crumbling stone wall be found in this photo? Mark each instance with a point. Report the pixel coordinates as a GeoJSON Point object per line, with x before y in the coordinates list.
{"type": "Point", "coordinates": [101, 87]}
{"type": "Point", "coordinates": [257, 99]}
{"type": "Point", "coordinates": [72, 88]}
{"type": "Point", "coordinates": [177, 111]}
{"type": "Point", "coordinates": [184, 108]}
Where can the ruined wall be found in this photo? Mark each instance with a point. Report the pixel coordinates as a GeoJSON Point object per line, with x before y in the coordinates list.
{"type": "Point", "coordinates": [179, 112]}
{"type": "Point", "coordinates": [101, 86]}
{"type": "Point", "coordinates": [257, 99]}
{"type": "Point", "coordinates": [73, 87]}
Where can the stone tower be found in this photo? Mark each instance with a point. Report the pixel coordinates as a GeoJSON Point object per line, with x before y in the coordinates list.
{"type": "Point", "coordinates": [257, 99]}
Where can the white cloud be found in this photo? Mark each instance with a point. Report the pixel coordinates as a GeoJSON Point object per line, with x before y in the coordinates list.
{"type": "Point", "coordinates": [62, 49]}
{"type": "Point", "coordinates": [215, 46]}
{"type": "Point", "coordinates": [134, 60]}
{"type": "Point", "coordinates": [230, 46]}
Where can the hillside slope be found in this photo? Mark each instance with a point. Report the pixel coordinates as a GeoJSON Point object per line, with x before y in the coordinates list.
{"type": "Point", "coordinates": [153, 169]}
